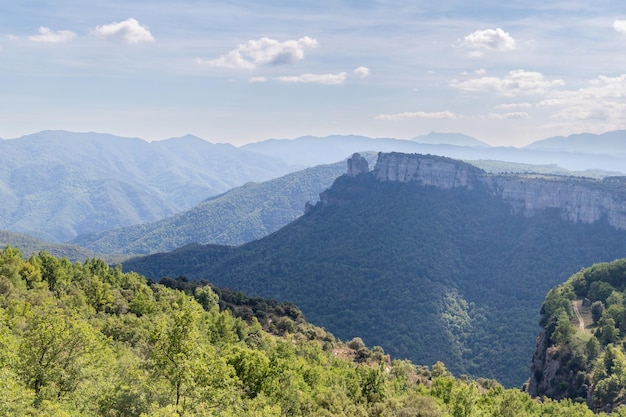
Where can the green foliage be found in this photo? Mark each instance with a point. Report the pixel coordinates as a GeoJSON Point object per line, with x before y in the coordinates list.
{"type": "Point", "coordinates": [594, 370]}
{"type": "Point", "coordinates": [238, 216]}
{"type": "Point", "coordinates": [426, 273]}
{"type": "Point", "coordinates": [66, 353]}
{"type": "Point", "coordinates": [57, 185]}
{"type": "Point", "coordinates": [29, 245]}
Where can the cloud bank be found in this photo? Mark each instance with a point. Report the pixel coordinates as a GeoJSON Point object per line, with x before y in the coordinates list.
{"type": "Point", "coordinates": [48, 36]}
{"type": "Point", "coordinates": [328, 79]}
{"type": "Point", "coordinates": [620, 26]}
{"type": "Point", "coordinates": [488, 39]}
{"type": "Point", "coordinates": [417, 115]}
{"type": "Point", "coordinates": [516, 82]}
{"type": "Point", "coordinates": [128, 31]}
{"type": "Point", "coordinates": [362, 72]}
{"type": "Point", "coordinates": [263, 51]}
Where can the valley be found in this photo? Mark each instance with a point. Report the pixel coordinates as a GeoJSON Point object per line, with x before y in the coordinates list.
{"type": "Point", "coordinates": [429, 258]}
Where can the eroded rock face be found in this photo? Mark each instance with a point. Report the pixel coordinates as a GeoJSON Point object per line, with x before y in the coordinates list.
{"type": "Point", "coordinates": [581, 200]}
{"type": "Point", "coordinates": [357, 165]}
{"type": "Point", "coordinates": [543, 369]}
{"type": "Point", "coordinates": [426, 169]}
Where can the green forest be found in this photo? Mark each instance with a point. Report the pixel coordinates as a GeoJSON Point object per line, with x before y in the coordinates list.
{"type": "Point", "coordinates": [587, 358]}
{"type": "Point", "coordinates": [85, 339]}
{"type": "Point", "coordinates": [428, 274]}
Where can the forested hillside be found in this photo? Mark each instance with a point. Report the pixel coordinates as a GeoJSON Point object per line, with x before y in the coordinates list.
{"type": "Point", "coordinates": [238, 216]}
{"type": "Point", "coordinates": [254, 210]}
{"type": "Point", "coordinates": [605, 151]}
{"type": "Point", "coordinates": [427, 273]}
{"type": "Point", "coordinates": [29, 245]}
{"type": "Point", "coordinates": [83, 339]}
{"type": "Point", "coordinates": [55, 185]}
{"type": "Point", "coordinates": [581, 350]}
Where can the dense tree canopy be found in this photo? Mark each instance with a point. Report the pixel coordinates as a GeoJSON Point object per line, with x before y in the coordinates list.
{"type": "Point", "coordinates": [83, 339]}
{"type": "Point", "coordinates": [591, 360]}
{"type": "Point", "coordinates": [427, 273]}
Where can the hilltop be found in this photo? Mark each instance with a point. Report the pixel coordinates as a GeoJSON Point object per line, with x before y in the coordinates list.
{"type": "Point", "coordinates": [429, 257]}
{"type": "Point", "coordinates": [56, 185]}
{"type": "Point", "coordinates": [83, 339]}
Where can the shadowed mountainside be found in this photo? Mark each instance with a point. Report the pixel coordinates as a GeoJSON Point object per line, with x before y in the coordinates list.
{"type": "Point", "coordinates": [55, 185]}
{"type": "Point", "coordinates": [424, 256]}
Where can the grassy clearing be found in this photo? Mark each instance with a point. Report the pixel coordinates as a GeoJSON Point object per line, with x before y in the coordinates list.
{"type": "Point", "coordinates": [585, 314]}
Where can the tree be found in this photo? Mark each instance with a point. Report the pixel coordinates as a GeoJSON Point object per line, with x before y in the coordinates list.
{"type": "Point", "coordinates": [55, 352]}
{"type": "Point", "coordinates": [439, 369]}
{"type": "Point", "coordinates": [206, 297]}
{"type": "Point", "coordinates": [597, 309]}
{"type": "Point", "coordinates": [176, 346]}
{"type": "Point", "coordinates": [563, 331]}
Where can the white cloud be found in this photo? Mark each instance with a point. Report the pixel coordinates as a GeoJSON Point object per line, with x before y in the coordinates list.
{"type": "Point", "coordinates": [263, 51]}
{"type": "Point", "coordinates": [620, 26]}
{"type": "Point", "coordinates": [328, 79]}
{"type": "Point", "coordinates": [489, 39]}
{"type": "Point", "coordinates": [518, 115]}
{"type": "Point", "coordinates": [513, 106]}
{"type": "Point", "coordinates": [517, 82]}
{"type": "Point", "coordinates": [599, 106]}
{"type": "Point", "coordinates": [362, 72]}
{"type": "Point", "coordinates": [257, 80]}
{"type": "Point", "coordinates": [129, 31]}
{"type": "Point", "coordinates": [48, 36]}
{"type": "Point", "coordinates": [417, 115]}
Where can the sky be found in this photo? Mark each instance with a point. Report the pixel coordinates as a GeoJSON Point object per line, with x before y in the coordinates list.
{"type": "Point", "coordinates": [506, 72]}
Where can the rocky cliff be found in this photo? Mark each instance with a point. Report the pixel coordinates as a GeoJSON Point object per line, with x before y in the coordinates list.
{"type": "Point", "coordinates": [426, 169]}
{"type": "Point", "coordinates": [578, 199]}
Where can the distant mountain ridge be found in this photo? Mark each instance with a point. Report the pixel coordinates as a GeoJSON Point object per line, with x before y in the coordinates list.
{"type": "Point", "coordinates": [311, 150]}
{"type": "Point", "coordinates": [56, 185]}
{"type": "Point", "coordinates": [608, 143]}
{"type": "Point", "coordinates": [428, 257]}
{"type": "Point", "coordinates": [29, 245]}
{"type": "Point", "coordinates": [245, 213]}
{"type": "Point", "coordinates": [458, 139]}
{"type": "Point", "coordinates": [240, 215]}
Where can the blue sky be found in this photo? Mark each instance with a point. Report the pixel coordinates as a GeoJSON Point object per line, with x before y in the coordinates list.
{"type": "Point", "coordinates": [508, 73]}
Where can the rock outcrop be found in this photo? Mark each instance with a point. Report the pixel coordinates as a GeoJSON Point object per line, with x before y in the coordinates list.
{"type": "Point", "coordinates": [543, 370]}
{"type": "Point", "coordinates": [357, 165]}
{"type": "Point", "coordinates": [578, 199]}
{"type": "Point", "coordinates": [425, 169]}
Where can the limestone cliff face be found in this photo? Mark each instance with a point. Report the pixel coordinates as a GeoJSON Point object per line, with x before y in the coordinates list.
{"type": "Point", "coordinates": [357, 165]}
{"type": "Point", "coordinates": [581, 200]}
{"type": "Point", "coordinates": [543, 369]}
{"type": "Point", "coordinates": [425, 169]}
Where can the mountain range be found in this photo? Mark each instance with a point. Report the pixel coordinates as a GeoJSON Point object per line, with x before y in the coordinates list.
{"type": "Point", "coordinates": [57, 185]}
{"type": "Point", "coordinates": [240, 215]}
{"type": "Point", "coordinates": [606, 152]}
{"type": "Point", "coordinates": [428, 257]}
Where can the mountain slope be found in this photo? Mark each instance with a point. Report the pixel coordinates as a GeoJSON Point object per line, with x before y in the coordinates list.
{"type": "Point", "coordinates": [29, 245]}
{"type": "Point", "coordinates": [238, 216]}
{"type": "Point", "coordinates": [458, 139]}
{"type": "Point", "coordinates": [251, 211]}
{"type": "Point", "coordinates": [56, 185]}
{"type": "Point", "coordinates": [428, 257]}
{"type": "Point", "coordinates": [83, 339]}
{"type": "Point", "coordinates": [609, 143]}
{"type": "Point", "coordinates": [585, 362]}
{"type": "Point", "coordinates": [310, 151]}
